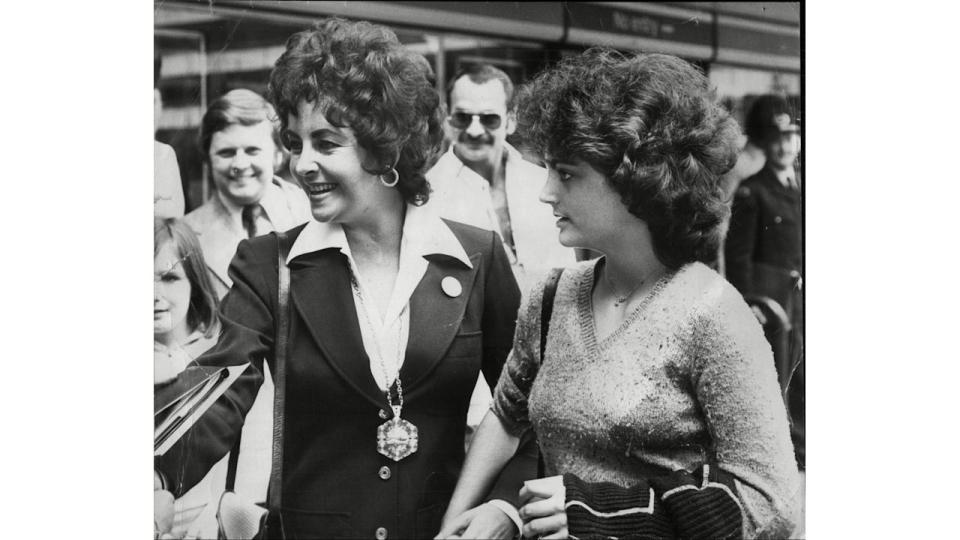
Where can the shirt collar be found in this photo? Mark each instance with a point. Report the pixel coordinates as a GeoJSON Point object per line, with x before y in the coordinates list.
{"type": "Point", "coordinates": [424, 233]}
{"type": "Point", "coordinates": [511, 157]}
{"type": "Point", "coordinates": [267, 202]}
{"type": "Point", "coordinates": [785, 176]}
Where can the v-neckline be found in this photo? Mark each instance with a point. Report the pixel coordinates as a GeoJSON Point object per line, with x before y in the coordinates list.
{"type": "Point", "coordinates": [588, 320]}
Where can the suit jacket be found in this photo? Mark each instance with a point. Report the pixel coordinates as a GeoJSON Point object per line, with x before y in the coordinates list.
{"type": "Point", "coordinates": [764, 246]}
{"type": "Point", "coordinates": [335, 483]}
{"type": "Point", "coordinates": [284, 205]}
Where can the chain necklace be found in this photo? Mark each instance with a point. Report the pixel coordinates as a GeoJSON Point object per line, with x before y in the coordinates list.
{"type": "Point", "coordinates": [620, 300]}
{"type": "Point", "coordinates": [396, 438]}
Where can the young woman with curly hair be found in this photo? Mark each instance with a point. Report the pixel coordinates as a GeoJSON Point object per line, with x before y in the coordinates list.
{"type": "Point", "coordinates": [394, 312]}
{"type": "Point", "coordinates": [655, 403]}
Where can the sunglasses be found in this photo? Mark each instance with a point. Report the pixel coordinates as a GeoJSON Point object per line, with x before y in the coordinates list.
{"type": "Point", "coordinates": [461, 120]}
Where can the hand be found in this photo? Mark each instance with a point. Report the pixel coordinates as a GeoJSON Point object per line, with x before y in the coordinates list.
{"type": "Point", "coordinates": [484, 521]}
{"type": "Point", "coordinates": [543, 514]}
{"type": "Point", "coordinates": [162, 513]}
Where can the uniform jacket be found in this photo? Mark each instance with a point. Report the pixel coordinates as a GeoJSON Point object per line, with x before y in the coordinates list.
{"type": "Point", "coordinates": [462, 195]}
{"type": "Point", "coordinates": [335, 484]}
{"type": "Point", "coordinates": [284, 205]}
{"type": "Point", "coordinates": [764, 244]}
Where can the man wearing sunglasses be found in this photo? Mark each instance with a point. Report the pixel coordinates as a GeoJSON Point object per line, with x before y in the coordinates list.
{"type": "Point", "coordinates": [485, 182]}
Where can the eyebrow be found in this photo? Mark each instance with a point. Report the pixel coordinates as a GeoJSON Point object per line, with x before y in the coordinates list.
{"type": "Point", "coordinates": [314, 134]}
{"type": "Point", "coordinates": [553, 163]}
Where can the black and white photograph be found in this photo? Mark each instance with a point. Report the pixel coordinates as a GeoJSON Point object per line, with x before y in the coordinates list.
{"type": "Point", "coordinates": [479, 269]}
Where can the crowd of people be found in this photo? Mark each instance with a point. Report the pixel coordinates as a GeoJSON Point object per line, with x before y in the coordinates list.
{"type": "Point", "coordinates": [449, 360]}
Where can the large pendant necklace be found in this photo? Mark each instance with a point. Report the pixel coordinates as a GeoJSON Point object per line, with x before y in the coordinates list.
{"type": "Point", "coordinates": [396, 438]}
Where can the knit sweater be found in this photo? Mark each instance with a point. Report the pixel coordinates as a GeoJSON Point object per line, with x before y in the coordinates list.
{"type": "Point", "coordinates": [681, 399]}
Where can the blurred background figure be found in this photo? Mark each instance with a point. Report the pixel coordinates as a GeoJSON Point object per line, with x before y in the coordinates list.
{"type": "Point", "coordinates": [167, 189]}
{"type": "Point", "coordinates": [483, 181]}
{"type": "Point", "coordinates": [185, 325]}
{"type": "Point", "coordinates": [764, 246]}
{"type": "Point", "coordinates": [240, 144]}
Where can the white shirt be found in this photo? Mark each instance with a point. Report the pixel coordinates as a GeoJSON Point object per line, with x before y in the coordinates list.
{"type": "Point", "coordinates": [460, 194]}
{"type": "Point", "coordinates": [424, 233]}
{"type": "Point", "coordinates": [787, 177]}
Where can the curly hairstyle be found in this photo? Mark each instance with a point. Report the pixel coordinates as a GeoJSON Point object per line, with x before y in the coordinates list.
{"type": "Point", "coordinates": [361, 77]}
{"type": "Point", "coordinates": [236, 107]}
{"type": "Point", "coordinates": [652, 125]}
{"type": "Point", "coordinates": [202, 313]}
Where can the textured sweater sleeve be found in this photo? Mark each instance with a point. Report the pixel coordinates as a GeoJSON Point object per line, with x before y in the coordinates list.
{"type": "Point", "coordinates": [735, 383]}
{"type": "Point", "coordinates": [513, 389]}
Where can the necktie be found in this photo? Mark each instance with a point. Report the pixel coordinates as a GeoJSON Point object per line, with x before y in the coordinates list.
{"type": "Point", "coordinates": [249, 219]}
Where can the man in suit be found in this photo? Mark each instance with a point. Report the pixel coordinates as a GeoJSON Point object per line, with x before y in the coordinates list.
{"type": "Point", "coordinates": [240, 145]}
{"type": "Point", "coordinates": [764, 246]}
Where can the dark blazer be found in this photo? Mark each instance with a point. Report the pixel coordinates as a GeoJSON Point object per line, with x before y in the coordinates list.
{"type": "Point", "coordinates": [763, 249]}
{"type": "Point", "coordinates": [335, 483]}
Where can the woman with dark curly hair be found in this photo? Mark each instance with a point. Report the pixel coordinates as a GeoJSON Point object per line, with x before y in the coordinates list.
{"type": "Point", "coordinates": [393, 311]}
{"type": "Point", "coordinates": [655, 401]}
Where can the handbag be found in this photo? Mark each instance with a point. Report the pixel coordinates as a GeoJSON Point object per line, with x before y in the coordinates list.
{"type": "Point", "coordinates": [546, 311]}
{"type": "Point", "coordinates": [238, 518]}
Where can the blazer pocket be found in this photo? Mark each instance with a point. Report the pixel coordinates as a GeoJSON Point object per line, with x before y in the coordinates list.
{"type": "Point", "coordinates": [309, 524]}
{"type": "Point", "coordinates": [466, 345]}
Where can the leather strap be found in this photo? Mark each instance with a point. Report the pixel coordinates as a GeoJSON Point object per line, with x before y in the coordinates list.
{"type": "Point", "coordinates": [546, 311]}
{"type": "Point", "coordinates": [280, 376]}
{"type": "Point", "coordinates": [546, 307]}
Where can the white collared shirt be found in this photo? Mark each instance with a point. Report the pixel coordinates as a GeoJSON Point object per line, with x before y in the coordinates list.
{"type": "Point", "coordinates": [460, 194]}
{"type": "Point", "coordinates": [424, 233]}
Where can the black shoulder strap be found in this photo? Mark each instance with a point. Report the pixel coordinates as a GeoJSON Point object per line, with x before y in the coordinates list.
{"type": "Point", "coordinates": [275, 490]}
{"type": "Point", "coordinates": [546, 311]}
{"type": "Point", "coordinates": [546, 307]}
{"type": "Point", "coordinates": [279, 378]}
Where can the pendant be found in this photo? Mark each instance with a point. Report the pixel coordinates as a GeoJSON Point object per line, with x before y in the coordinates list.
{"type": "Point", "coordinates": [397, 438]}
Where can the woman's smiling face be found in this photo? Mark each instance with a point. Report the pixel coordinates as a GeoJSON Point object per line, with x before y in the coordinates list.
{"type": "Point", "coordinates": [328, 163]}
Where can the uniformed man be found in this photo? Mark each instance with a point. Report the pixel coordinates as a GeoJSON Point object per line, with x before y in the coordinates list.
{"type": "Point", "coordinates": [764, 245]}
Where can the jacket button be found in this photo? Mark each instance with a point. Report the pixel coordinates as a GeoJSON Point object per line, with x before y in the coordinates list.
{"type": "Point", "coordinates": [383, 414]}
{"type": "Point", "coordinates": [385, 473]}
{"type": "Point", "coordinates": [777, 219]}
{"type": "Point", "coordinates": [381, 533]}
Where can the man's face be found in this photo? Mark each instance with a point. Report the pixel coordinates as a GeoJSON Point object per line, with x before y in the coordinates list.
{"type": "Point", "coordinates": [242, 161]}
{"type": "Point", "coordinates": [782, 151]}
{"type": "Point", "coordinates": [474, 109]}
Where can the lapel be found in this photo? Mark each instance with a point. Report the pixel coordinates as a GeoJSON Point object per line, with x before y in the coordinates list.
{"type": "Point", "coordinates": [435, 317]}
{"type": "Point", "coordinates": [320, 288]}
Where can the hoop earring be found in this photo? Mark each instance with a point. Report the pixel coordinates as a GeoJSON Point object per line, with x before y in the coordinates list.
{"type": "Point", "coordinates": [396, 178]}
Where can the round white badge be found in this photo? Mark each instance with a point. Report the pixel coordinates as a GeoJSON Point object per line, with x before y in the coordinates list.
{"type": "Point", "coordinates": [451, 287]}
